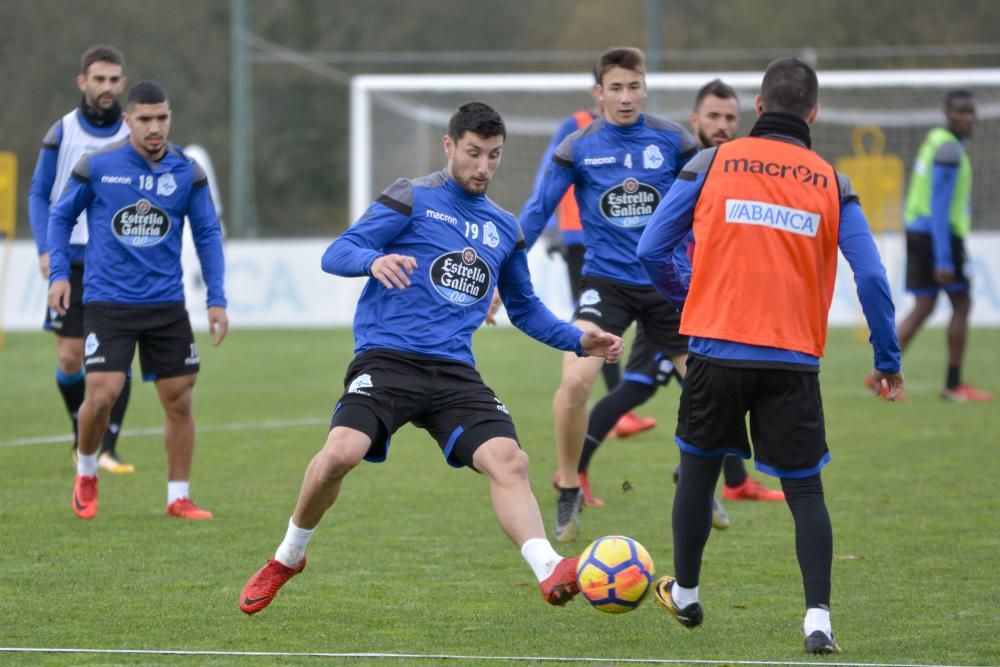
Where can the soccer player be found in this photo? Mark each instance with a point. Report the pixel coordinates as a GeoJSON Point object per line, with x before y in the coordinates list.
{"type": "Point", "coordinates": [435, 248]}
{"type": "Point", "coordinates": [621, 165]}
{"type": "Point", "coordinates": [570, 245]}
{"type": "Point", "coordinates": [715, 119]}
{"type": "Point", "coordinates": [97, 122]}
{"type": "Point", "coordinates": [136, 192]}
{"type": "Point", "coordinates": [938, 220]}
{"type": "Point", "coordinates": [768, 216]}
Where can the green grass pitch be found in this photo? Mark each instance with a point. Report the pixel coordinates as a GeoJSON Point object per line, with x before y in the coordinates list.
{"type": "Point", "coordinates": [411, 560]}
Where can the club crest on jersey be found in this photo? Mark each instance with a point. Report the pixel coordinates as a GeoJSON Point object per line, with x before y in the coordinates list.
{"type": "Point", "coordinates": [461, 277]}
{"type": "Point", "coordinates": [165, 185]}
{"type": "Point", "coordinates": [91, 344]}
{"type": "Point", "coordinates": [652, 158]}
{"type": "Point", "coordinates": [590, 297]}
{"type": "Point", "coordinates": [491, 236]}
{"type": "Point", "coordinates": [141, 224]}
{"type": "Point", "coordinates": [629, 204]}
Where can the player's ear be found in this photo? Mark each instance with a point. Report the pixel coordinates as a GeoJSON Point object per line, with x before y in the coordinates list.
{"type": "Point", "coordinates": [81, 80]}
{"type": "Point", "coordinates": [693, 120]}
{"type": "Point", "coordinates": [449, 145]}
{"type": "Point", "coordinates": [813, 114]}
{"type": "Point", "coordinates": [758, 105]}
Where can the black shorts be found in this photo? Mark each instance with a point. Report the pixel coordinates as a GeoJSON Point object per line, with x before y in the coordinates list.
{"type": "Point", "coordinates": [647, 366]}
{"type": "Point", "coordinates": [614, 306]}
{"type": "Point", "coordinates": [573, 254]}
{"type": "Point", "coordinates": [786, 416]}
{"type": "Point", "coordinates": [384, 389]}
{"type": "Point", "coordinates": [166, 342]}
{"type": "Point", "coordinates": [69, 325]}
{"type": "Point", "coordinates": [920, 265]}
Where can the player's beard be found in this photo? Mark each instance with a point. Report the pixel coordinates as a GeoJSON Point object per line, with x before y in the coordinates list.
{"type": "Point", "coordinates": [709, 142]}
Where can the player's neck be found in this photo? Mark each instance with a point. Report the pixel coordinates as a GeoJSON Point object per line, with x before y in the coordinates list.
{"type": "Point", "coordinates": [145, 154]}
{"type": "Point", "coordinates": [100, 117]}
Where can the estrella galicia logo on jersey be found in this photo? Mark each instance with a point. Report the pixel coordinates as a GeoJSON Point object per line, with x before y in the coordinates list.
{"type": "Point", "coordinates": [629, 204]}
{"type": "Point", "coordinates": [165, 185]}
{"type": "Point", "coordinates": [491, 236]}
{"type": "Point", "coordinates": [461, 277]}
{"type": "Point", "coordinates": [141, 224]}
{"type": "Point", "coordinates": [652, 158]}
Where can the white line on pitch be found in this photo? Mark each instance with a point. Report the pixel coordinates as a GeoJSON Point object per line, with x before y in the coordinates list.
{"type": "Point", "coordinates": [466, 658]}
{"type": "Point", "coordinates": [238, 426]}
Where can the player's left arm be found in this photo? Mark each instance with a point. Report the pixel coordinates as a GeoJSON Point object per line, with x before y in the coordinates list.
{"type": "Point", "coordinates": [207, 233]}
{"type": "Point", "coordinates": [667, 229]}
{"type": "Point", "coordinates": [533, 317]}
{"type": "Point", "coordinates": [858, 246]}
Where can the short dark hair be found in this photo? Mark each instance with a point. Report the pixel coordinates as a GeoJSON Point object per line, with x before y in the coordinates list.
{"type": "Point", "coordinates": [146, 92]}
{"type": "Point", "coordinates": [626, 57]}
{"type": "Point", "coordinates": [790, 86]}
{"type": "Point", "coordinates": [478, 118]}
{"type": "Point", "coordinates": [101, 53]}
{"type": "Point", "coordinates": [716, 88]}
{"type": "Point", "coordinates": [953, 96]}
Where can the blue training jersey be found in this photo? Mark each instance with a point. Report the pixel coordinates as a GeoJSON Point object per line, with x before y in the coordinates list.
{"type": "Point", "coordinates": [135, 218]}
{"type": "Point", "coordinates": [465, 246]}
{"type": "Point", "coordinates": [620, 173]}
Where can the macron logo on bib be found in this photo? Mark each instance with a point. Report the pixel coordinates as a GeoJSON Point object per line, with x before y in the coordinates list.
{"type": "Point", "coordinates": [748, 212]}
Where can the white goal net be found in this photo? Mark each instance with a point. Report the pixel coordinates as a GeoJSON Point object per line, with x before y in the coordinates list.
{"type": "Point", "coordinates": [870, 126]}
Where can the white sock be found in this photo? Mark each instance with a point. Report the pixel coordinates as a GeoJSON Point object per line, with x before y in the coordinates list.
{"type": "Point", "coordinates": [817, 618]}
{"type": "Point", "coordinates": [540, 556]}
{"type": "Point", "coordinates": [86, 464]}
{"type": "Point", "coordinates": [177, 490]}
{"type": "Point", "coordinates": [293, 548]}
{"type": "Point", "coordinates": [683, 596]}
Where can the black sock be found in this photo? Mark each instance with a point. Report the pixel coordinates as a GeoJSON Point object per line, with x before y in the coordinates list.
{"type": "Point", "coordinates": [110, 440]}
{"type": "Point", "coordinates": [71, 387]}
{"type": "Point", "coordinates": [813, 537]}
{"type": "Point", "coordinates": [692, 514]}
{"type": "Point", "coordinates": [954, 376]}
{"type": "Point", "coordinates": [612, 374]}
{"type": "Point", "coordinates": [608, 411]}
{"type": "Point", "coordinates": [734, 470]}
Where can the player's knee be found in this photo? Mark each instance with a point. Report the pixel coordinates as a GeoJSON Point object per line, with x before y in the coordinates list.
{"type": "Point", "coordinates": [501, 458]}
{"type": "Point", "coordinates": [576, 387]}
{"type": "Point", "coordinates": [340, 455]}
{"type": "Point", "coordinates": [101, 399]}
{"type": "Point", "coordinates": [69, 362]}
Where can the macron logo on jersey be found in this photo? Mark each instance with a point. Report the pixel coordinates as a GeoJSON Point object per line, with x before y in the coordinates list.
{"type": "Point", "coordinates": [598, 161]}
{"type": "Point", "coordinates": [443, 217]}
{"type": "Point", "coordinates": [748, 212]}
{"type": "Point", "coordinates": [117, 180]}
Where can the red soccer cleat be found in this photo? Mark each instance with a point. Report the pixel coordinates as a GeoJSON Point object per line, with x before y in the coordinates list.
{"type": "Point", "coordinates": [265, 584]}
{"type": "Point", "coordinates": [560, 586]}
{"type": "Point", "coordinates": [964, 392]}
{"type": "Point", "coordinates": [751, 490]}
{"type": "Point", "coordinates": [588, 499]}
{"type": "Point", "coordinates": [630, 424]}
{"type": "Point", "coordinates": [184, 508]}
{"type": "Point", "coordinates": [85, 496]}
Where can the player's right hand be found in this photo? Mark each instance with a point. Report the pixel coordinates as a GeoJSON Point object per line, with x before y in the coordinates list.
{"type": "Point", "coordinates": [59, 293]}
{"type": "Point", "coordinates": [889, 385]}
{"type": "Point", "coordinates": [43, 265]}
{"type": "Point", "coordinates": [393, 270]}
